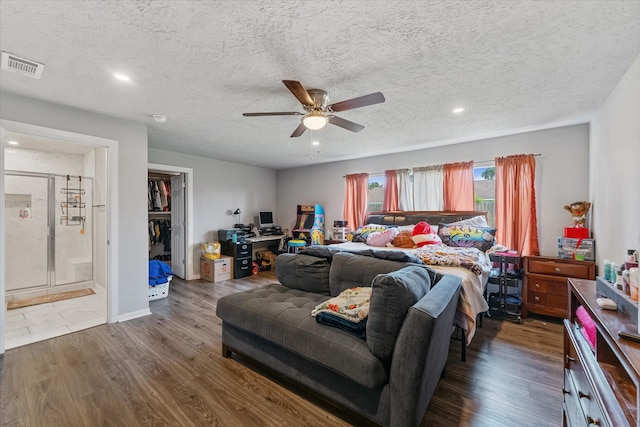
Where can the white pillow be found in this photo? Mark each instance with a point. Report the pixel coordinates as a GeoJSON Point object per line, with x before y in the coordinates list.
{"type": "Point", "coordinates": [476, 221]}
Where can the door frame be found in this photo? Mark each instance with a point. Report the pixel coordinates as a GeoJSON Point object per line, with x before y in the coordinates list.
{"type": "Point", "coordinates": [188, 215]}
{"type": "Point", "coordinates": [111, 147]}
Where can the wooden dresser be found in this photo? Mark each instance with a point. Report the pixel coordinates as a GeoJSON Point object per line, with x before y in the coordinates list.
{"type": "Point", "coordinates": [601, 383]}
{"type": "Point", "coordinates": [544, 288]}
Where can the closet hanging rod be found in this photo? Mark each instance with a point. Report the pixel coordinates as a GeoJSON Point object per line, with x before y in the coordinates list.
{"type": "Point", "coordinates": [475, 162]}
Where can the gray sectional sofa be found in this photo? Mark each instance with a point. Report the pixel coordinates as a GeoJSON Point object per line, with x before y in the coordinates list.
{"type": "Point", "coordinates": [390, 376]}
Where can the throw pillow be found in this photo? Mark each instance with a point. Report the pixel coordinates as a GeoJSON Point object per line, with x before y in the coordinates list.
{"type": "Point", "coordinates": [304, 272]}
{"type": "Point", "coordinates": [476, 221]}
{"type": "Point", "coordinates": [465, 236]}
{"type": "Point", "coordinates": [352, 304]}
{"type": "Point", "coordinates": [382, 239]}
{"type": "Point", "coordinates": [392, 296]}
{"type": "Point", "coordinates": [361, 234]}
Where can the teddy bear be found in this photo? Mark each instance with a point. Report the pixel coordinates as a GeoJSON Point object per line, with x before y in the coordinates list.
{"type": "Point", "coordinates": [423, 234]}
{"type": "Point", "coordinates": [578, 211]}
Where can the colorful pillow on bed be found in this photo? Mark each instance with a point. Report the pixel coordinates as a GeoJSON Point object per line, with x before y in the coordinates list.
{"type": "Point", "coordinates": [361, 234]}
{"type": "Point", "coordinates": [382, 239]}
{"type": "Point", "coordinates": [464, 236]}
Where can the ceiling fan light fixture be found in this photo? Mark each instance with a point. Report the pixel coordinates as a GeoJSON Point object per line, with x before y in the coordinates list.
{"type": "Point", "coordinates": [315, 120]}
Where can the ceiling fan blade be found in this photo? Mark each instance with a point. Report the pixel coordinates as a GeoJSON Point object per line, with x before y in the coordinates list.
{"type": "Point", "coordinates": [299, 92]}
{"type": "Point", "coordinates": [278, 113]}
{"type": "Point", "coordinates": [362, 101]}
{"type": "Point", "coordinates": [346, 124]}
{"type": "Point", "coordinates": [299, 130]}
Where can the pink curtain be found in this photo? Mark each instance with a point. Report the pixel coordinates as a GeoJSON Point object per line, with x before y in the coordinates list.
{"type": "Point", "coordinates": [390, 201]}
{"type": "Point", "coordinates": [355, 199]}
{"type": "Point", "coordinates": [458, 186]}
{"type": "Point", "coordinates": [516, 218]}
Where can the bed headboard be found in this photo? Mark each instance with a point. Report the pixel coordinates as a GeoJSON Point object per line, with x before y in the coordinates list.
{"type": "Point", "coordinates": [414, 217]}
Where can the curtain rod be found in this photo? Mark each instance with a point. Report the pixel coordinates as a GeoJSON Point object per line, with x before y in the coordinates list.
{"type": "Point", "coordinates": [479, 161]}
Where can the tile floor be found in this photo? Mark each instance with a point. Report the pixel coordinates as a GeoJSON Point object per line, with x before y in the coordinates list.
{"type": "Point", "coordinates": [43, 321]}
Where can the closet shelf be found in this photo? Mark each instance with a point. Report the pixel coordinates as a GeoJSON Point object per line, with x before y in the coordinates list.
{"type": "Point", "coordinates": [159, 213]}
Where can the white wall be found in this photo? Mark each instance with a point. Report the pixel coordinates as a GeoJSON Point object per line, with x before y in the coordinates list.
{"type": "Point", "coordinates": [132, 275]}
{"type": "Point", "coordinates": [219, 188]}
{"type": "Point", "coordinates": [615, 169]}
{"type": "Point", "coordinates": [561, 175]}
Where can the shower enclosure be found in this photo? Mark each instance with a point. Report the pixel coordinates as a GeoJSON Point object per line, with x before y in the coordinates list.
{"type": "Point", "coordinates": [48, 231]}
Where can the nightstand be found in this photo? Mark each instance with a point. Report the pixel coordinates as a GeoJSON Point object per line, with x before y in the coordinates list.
{"type": "Point", "coordinates": [544, 289]}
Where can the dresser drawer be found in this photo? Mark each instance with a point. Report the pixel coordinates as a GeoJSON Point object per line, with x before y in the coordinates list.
{"type": "Point", "coordinates": [589, 411]}
{"type": "Point", "coordinates": [556, 268]}
{"type": "Point", "coordinates": [547, 284]}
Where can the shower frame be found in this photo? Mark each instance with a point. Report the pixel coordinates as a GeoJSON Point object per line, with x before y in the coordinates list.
{"type": "Point", "coordinates": [51, 229]}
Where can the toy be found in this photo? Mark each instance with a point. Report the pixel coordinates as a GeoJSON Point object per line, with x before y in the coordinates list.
{"type": "Point", "coordinates": [578, 211]}
{"type": "Point", "coordinates": [423, 234]}
{"type": "Point", "coordinates": [403, 240]}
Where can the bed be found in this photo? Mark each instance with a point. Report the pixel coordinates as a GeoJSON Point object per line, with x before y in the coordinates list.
{"type": "Point", "coordinates": [472, 300]}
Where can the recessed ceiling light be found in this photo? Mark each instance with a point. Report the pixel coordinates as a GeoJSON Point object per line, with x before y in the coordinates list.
{"type": "Point", "coordinates": [315, 143]}
{"type": "Point", "coordinates": [458, 110]}
{"type": "Point", "coordinates": [159, 118]}
{"type": "Point", "coordinates": [13, 143]}
{"type": "Point", "coordinates": [121, 77]}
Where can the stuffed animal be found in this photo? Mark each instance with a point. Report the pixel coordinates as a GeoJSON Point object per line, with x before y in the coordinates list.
{"type": "Point", "coordinates": [423, 234]}
{"type": "Point", "coordinates": [578, 211]}
{"type": "Point", "coordinates": [403, 240]}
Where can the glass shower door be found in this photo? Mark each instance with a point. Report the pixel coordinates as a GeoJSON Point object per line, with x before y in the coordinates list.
{"type": "Point", "coordinates": [26, 232]}
{"type": "Point", "coordinates": [73, 230]}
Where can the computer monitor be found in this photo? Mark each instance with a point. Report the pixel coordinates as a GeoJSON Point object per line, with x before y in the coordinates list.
{"type": "Point", "coordinates": [266, 219]}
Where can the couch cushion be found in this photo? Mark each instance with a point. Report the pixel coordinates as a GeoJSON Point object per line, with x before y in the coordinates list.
{"type": "Point", "coordinates": [304, 272]}
{"type": "Point", "coordinates": [283, 316]}
{"type": "Point", "coordinates": [392, 296]}
{"type": "Point", "coordinates": [350, 270]}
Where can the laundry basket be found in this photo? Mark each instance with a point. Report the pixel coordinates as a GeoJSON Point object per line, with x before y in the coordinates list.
{"type": "Point", "coordinates": [160, 276]}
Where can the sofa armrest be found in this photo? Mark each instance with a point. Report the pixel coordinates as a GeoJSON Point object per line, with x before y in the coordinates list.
{"type": "Point", "coordinates": [421, 352]}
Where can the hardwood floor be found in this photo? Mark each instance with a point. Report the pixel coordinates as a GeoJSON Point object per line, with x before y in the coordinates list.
{"type": "Point", "coordinates": [166, 370]}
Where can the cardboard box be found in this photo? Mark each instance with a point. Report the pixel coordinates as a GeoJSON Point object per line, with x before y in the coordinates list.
{"type": "Point", "coordinates": [568, 248]}
{"type": "Point", "coordinates": [216, 270]}
{"type": "Point", "coordinates": [576, 232]}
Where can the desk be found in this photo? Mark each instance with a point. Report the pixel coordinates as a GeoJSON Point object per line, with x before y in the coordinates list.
{"type": "Point", "coordinates": [264, 241]}
{"type": "Point", "coordinates": [264, 238]}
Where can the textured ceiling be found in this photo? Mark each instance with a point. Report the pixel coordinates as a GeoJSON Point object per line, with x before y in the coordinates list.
{"type": "Point", "coordinates": [512, 65]}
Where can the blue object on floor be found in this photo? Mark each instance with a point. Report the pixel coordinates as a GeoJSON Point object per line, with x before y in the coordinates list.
{"type": "Point", "coordinates": [159, 272]}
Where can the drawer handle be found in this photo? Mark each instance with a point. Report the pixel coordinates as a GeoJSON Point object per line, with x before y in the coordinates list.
{"type": "Point", "coordinates": [557, 269]}
{"type": "Point", "coordinates": [537, 285]}
{"type": "Point", "coordinates": [565, 391]}
{"type": "Point", "coordinates": [536, 298]}
{"type": "Point", "coordinates": [585, 395]}
{"type": "Point", "coordinates": [592, 421]}
{"type": "Point", "coordinates": [569, 359]}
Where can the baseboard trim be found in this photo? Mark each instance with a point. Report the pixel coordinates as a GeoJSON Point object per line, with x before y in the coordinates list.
{"type": "Point", "coordinates": [134, 315]}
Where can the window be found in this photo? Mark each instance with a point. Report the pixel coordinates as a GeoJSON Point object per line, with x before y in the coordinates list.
{"type": "Point", "coordinates": [376, 193]}
{"type": "Point", "coordinates": [484, 188]}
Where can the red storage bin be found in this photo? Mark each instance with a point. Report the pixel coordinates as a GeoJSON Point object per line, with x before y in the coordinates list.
{"type": "Point", "coordinates": [576, 232]}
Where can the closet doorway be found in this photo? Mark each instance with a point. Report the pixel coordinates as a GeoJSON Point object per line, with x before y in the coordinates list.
{"type": "Point", "coordinates": [170, 217]}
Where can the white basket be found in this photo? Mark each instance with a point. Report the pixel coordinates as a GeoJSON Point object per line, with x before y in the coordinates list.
{"type": "Point", "coordinates": [159, 291]}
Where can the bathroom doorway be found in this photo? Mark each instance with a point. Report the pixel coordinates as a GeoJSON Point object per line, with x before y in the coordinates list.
{"type": "Point", "coordinates": [55, 237]}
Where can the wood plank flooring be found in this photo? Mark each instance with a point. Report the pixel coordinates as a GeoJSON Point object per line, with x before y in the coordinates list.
{"type": "Point", "coordinates": [166, 370]}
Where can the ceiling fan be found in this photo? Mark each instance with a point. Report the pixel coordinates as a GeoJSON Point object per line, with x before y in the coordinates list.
{"type": "Point", "coordinates": [317, 113]}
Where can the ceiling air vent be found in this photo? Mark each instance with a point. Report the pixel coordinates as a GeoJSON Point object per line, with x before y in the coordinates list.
{"type": "Point", "coordinates": [21, 66]}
